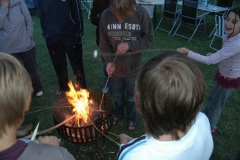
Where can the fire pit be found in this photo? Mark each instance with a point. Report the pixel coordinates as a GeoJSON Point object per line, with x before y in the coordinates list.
{"type": "Point", "coordinates": [87, 132]}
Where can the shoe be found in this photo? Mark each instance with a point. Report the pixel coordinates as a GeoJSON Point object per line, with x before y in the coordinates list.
{"type": "Point", "coordinates": [106, 89]}
{"type": "Point", "coordinates": [131, 126]}
{"type": "Point", "coordinates": [115, 120]}
{"type": "Point", "coordinates": [22, 131]}
{"type": "Point", "coordinates": [40, 93]}
{"type": "Point", "coordinates": [213, 131]}
{"type": "Point", "coordinates": [59, 92]}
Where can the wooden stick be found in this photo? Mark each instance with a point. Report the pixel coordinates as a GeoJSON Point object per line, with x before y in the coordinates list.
{"type": "Point", "coordinates": [113, 134]}
{"type": "Point", "coordinates": [52, 128]}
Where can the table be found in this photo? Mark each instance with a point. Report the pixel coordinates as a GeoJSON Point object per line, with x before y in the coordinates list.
{"type": "Point", "coordinates": [152, 2]}
{"type": "Point", "coordinates": [213, 8]}
{"type": "Point", "coordinates": [149, 6]}
{"type": "Point", "coordinates": [210, 8]}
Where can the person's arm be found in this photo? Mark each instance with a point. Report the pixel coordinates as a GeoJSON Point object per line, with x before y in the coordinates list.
{"type": "Point", "coordinates": [28, 18]}
{"type": "Point", "coordinates": [104, 43]}
{"type": "Point", "coordinates": [53, 140]}
{"type": "Point", "coordinates": [3, 11]}
{"type": "Point", "coordinates": [147, 35]}
{"type": "Point", "coordinates": [42, 16]}
{"type": "Point", "coordinates": [76, 10]}
{"type": "Point", "coordinates": [95, 15]}
{"type": "Point", "coordinates": [124, 139]}
{"type": "Point", "coordinates": [228, 50]}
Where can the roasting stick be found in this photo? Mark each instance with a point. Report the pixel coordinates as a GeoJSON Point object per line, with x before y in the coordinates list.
{"type": "Point", "coordinates": [133, 52]}
{"type": "Point", "coordinates": [52, 128]}
{"type": "Point", "coordinates": [118, 144]}
{"type": "Point", "coordinates": [100, 108]}
{"type": "Point", "coordinates": [113, 134]}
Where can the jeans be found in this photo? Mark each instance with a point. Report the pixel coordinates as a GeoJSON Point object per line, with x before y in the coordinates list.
{"type": "Point", "coordinates": [28, 59]}
{"type": "Point", "coordinates": [58, 52]}
{"type": "Point", "coordinates": [215, 103]}
{"type": "Point", "coordinates": [119, 85]}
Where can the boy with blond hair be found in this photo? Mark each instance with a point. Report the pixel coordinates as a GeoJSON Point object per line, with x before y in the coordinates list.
{"type": "Point", "coordinates": [15, 98]}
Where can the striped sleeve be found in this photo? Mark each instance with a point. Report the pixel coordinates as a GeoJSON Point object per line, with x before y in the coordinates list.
{"type": "Point", "coordinates": [125, 149]}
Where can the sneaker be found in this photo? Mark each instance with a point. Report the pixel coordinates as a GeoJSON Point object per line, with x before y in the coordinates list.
{"type": "Point", "coordinates": [22, 131]}
{"type": "Point", "coordinates": [40, 93]}
{"type": "Point", "coordinates": [59, 92]}
{"type": "Point", "coordinates": [106, 89]}
{"type": "Point", "coordinates": [213, 131]}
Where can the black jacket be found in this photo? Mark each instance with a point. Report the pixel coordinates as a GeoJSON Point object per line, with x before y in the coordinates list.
{"type": "Point", "coordinates": [98, 7]}
{"type": "Point", "coordinates": [60, 17]}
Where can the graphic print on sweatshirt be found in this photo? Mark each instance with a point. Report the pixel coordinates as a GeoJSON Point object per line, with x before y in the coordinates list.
{"type": "Point", "coordinates": [127, 30]}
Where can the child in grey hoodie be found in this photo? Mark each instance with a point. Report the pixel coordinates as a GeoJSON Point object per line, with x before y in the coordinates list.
{"type": "Point", "coordinates": [16, 95]}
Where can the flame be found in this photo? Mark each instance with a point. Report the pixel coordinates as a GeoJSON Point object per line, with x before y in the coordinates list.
{"type": "Point", "coordinates": [79, 101]}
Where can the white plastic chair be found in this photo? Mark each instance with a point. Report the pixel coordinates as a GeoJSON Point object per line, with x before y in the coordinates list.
{"type": "Point", "coordinates": [218, 30]}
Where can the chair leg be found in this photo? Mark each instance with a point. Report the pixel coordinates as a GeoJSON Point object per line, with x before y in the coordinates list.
{"type": "Point", "coordinates": [177, 28]}
{"type": "Point", "coordinates": [211, 43]}
{"type": "Point", "coordinates": [195, 30]}
{"type": "Point", "coordinates": [204, 26]}
{"type": "Point", "coordinates": [159, 23]}
{"type": "Point", "coordinates": [174, 24]}
{"type": "Point", "coordinates": [214, 29]}
{"type": "Point", "coordinates": [89, 10]}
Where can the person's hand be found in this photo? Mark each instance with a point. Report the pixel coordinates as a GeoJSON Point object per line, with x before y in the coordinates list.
{"type": "Point", "coordinates": [4, 3]}
{"type": "Point", "coordinates": [122, 48]}
{"type": "Point", "coordinates": [124, 139]}
{"type": "Point", "coordinates": [110, 68]}
{"type": "Point", "coordinates": [183, 50]}
{"type": "Point", "coordinates": [53, 140]}
{"type": "Point", "coordinates": [209, 54]}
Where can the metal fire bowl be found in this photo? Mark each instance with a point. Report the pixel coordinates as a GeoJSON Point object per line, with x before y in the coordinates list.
{"type": "Point", "coordinates": [84, 134]}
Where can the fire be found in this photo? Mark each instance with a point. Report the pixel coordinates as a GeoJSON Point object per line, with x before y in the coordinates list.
{"type": "Point", "coordinates": [80, 102]}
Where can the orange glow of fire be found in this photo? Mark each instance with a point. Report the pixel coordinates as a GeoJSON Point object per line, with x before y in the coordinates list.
{"type": "Point", "coordinates": [80, 102]}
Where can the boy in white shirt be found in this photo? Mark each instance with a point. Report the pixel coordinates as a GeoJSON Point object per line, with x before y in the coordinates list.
{"type": "Point", "coordinates": [170, 89]}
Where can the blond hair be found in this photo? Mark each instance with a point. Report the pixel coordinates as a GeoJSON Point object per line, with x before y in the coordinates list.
{"type": "Point", "coordinates": [122, 8]}
{"type": "Point", "coordinates": [15, 91]}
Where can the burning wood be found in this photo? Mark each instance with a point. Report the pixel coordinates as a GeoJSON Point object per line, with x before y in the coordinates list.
{"type": "Point", "coordinates": [79, 101]}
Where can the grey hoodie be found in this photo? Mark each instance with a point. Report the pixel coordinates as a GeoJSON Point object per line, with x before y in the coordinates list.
{"type": "Point", "coordinates": [136, 30]}
{"type": "Point", "coordinates": [16, 28]}
{"type": "Point", "coordinates": [42, 151]}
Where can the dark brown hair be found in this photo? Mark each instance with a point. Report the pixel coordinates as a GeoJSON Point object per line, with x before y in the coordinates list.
{"type": "Point", "coordinates": [169, 91]}
{"type": "Point", "coordinates": [237, 12]}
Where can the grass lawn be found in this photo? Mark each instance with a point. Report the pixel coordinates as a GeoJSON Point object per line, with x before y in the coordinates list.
{"type": "Point", "coordinates": [226, 140]}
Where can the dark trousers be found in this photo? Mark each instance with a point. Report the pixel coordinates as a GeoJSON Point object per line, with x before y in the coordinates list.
{"type": "Point", "coordinates": [58, 53]}
{"type": "Point", "coordinates": [28, 59]}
